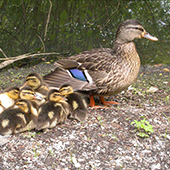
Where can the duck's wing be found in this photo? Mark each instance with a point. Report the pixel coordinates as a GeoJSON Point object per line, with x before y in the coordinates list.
{"type": "Point", "coordinates": [94, 60]}
{"type": "Point", "coordinates": [60, 76]}
{"type": "Point", "coordinates": [85, 71]}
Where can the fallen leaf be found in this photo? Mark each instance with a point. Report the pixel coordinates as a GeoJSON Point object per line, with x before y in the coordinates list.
{"type": "Point", "coordinates": [166, 69]}
{"type": "Point", "coordinates": [152, 89]}
{"type": "Point", "coordinates": [157, 65]}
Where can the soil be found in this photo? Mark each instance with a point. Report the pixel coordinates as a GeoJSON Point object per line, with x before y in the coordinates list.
{"type": "Point", "coordinates": [107, 140]}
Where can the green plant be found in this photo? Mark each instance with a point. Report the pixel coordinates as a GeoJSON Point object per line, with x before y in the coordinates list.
{"type": "Point", "coordinates": [30, 135]}
{"type": "Point", "coordinates": [144, 128]}
{"type": "Point", "coordinates": [99, 119]}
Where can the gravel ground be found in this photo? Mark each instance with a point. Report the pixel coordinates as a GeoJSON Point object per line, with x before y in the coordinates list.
{"type": "Point", "coordinates": [107, 140]}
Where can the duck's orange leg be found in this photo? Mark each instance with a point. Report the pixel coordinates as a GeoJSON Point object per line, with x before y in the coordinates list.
{"type": "Point", "coordinates": [107, 103]}
{"type": "Point", "coordinates": [92, 103]}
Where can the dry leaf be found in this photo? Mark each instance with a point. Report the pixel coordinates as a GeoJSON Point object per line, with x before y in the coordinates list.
{"type": "Point", "coordinates": [157, 65]}
{"type": "Point", "coordinates": [166, 69]}
{"type": "Point", "coordinates": [152, 89]}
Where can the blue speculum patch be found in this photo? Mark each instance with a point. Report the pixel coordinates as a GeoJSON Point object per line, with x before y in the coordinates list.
{"type": "Point", "coordinates": [78, 74]}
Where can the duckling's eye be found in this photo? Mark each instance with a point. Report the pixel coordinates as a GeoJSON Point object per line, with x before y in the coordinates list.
{"type": "Point", "coordinates": [56, 95]}
{"type": "Point", "coordinates": [16, 92]}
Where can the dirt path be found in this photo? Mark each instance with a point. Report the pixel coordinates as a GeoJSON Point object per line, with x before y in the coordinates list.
{"type": "Point", "coordinates": [107, 140]}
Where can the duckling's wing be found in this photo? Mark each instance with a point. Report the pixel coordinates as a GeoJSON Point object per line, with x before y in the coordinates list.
{"type": "Point", "coordinates": [49, 115]}
{"type": "Point", "coordinates": [12, 120]}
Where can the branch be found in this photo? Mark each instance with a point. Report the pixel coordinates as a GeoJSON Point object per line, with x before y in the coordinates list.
{"type": "Point", "coordinates": [48, 19]}
{"type": "Point", "coordinates": [20, 57]}
{"type": "Point", "coordinates": [41, 42]}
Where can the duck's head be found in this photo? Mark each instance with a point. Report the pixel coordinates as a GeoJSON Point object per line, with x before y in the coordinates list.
{"type": "Point", "coordinates": [24, 105]}
{"type": "Point", "coordinates": [28, 93]}
{"type": "Point", "coordinates": [131, 29]}
{"type": "Point", "coordinates": [34, 80]}
{"type": "Point", "coordinates": [54, 95]}
{"type": "Point", "coordinates": [12, 92]}
{"type": "Point", "coordinates": [66, 89]}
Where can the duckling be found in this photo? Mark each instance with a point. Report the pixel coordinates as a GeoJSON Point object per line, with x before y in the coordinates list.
{"type": "Point", "coordinates": [28, 93]}
{"type": "Point", "coordinates": [36, 82]}
{"type": "Point", "coordinates": [104, 71]}
{"type": "Point", "coordinates": [9, 96]}
{"type": "Point", "coordinates": [76, 101]}
{"type": "Point", "coordinates": [14, 120]}
{"type": "Point", "coordinates": [28, 108]}
{"type": "Point", "coordinates": [54, 111]}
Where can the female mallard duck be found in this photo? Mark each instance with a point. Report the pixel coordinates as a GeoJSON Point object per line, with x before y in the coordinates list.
{"type": "Point", "coordinates": [18, 118]}
{"type": "Point", "coordinates": [76, 101]}
{"type": "Point", "coordinates": [103, 71]}
{"type": "Point", "coordinates": [9, 96]}
{"type": "Point", "coordinates": [54, 111]}
{"type": "Point", "coordinates": [28, 93]}
{"type": "Point", "coordinates": [36, 82]}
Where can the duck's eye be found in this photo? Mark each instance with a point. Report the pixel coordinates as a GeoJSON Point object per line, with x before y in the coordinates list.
{"type": "Point", "coordinates": [138, 28]}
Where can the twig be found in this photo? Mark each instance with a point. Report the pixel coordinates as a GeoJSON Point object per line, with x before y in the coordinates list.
{"type": "Point", "coordinates": [41, 42]}
{"type": "Point", "coordinates": [108, 20]}
{"type": "Point", "coordinates": [48, 19]}
{"type": "Point", "coordinates": [3, 53]}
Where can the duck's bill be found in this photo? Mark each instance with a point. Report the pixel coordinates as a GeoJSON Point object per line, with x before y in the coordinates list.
{"type": "Point", "coordinates": [149, 37]}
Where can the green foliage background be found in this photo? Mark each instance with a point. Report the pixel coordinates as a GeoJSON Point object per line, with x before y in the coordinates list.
{"type": "Point", "coordinates": [75, 26]}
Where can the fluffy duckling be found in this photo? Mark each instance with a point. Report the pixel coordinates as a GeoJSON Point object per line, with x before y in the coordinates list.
{"type": "Point", "coordinates": [9, 96]}
{"type": "Point", "coordinates": [17, 119]}
{"type": "Point", "coordinates": [54, 111]}
{"type": "Point", "coordinates": [76, 101]}
{"type": "Point", "coordinates": [29, 94]}
{"type": "Point", "coordinates": [36, 82]}
{"type": "Point", "coordinates": [27, 107]}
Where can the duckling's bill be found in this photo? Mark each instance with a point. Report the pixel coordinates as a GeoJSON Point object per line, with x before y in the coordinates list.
{"type": "Point", "coordinates": [38, 96]}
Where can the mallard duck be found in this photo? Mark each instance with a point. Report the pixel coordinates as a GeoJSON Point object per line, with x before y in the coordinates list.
{"type": "Point", "coordinates": [28, 93]}
{"type": "Point", "coordinates": [9, 96]}
{"type": "Point", "coordinates": [36, 82]}
{"type": "Point", "coordinates": [104, 71]}
{"type": "Point", "coordinates": [76, 101]}
{"type": "Point", "coordinates": [54, 111]}
{"type": "Point", "coordinates": [17, 119]}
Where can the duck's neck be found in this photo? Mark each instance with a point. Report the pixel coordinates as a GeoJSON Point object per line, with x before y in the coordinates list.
{"type": "Point", "coordinates": [130, 61]}
{"type": "Point", "coordinates": [127, 51]}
